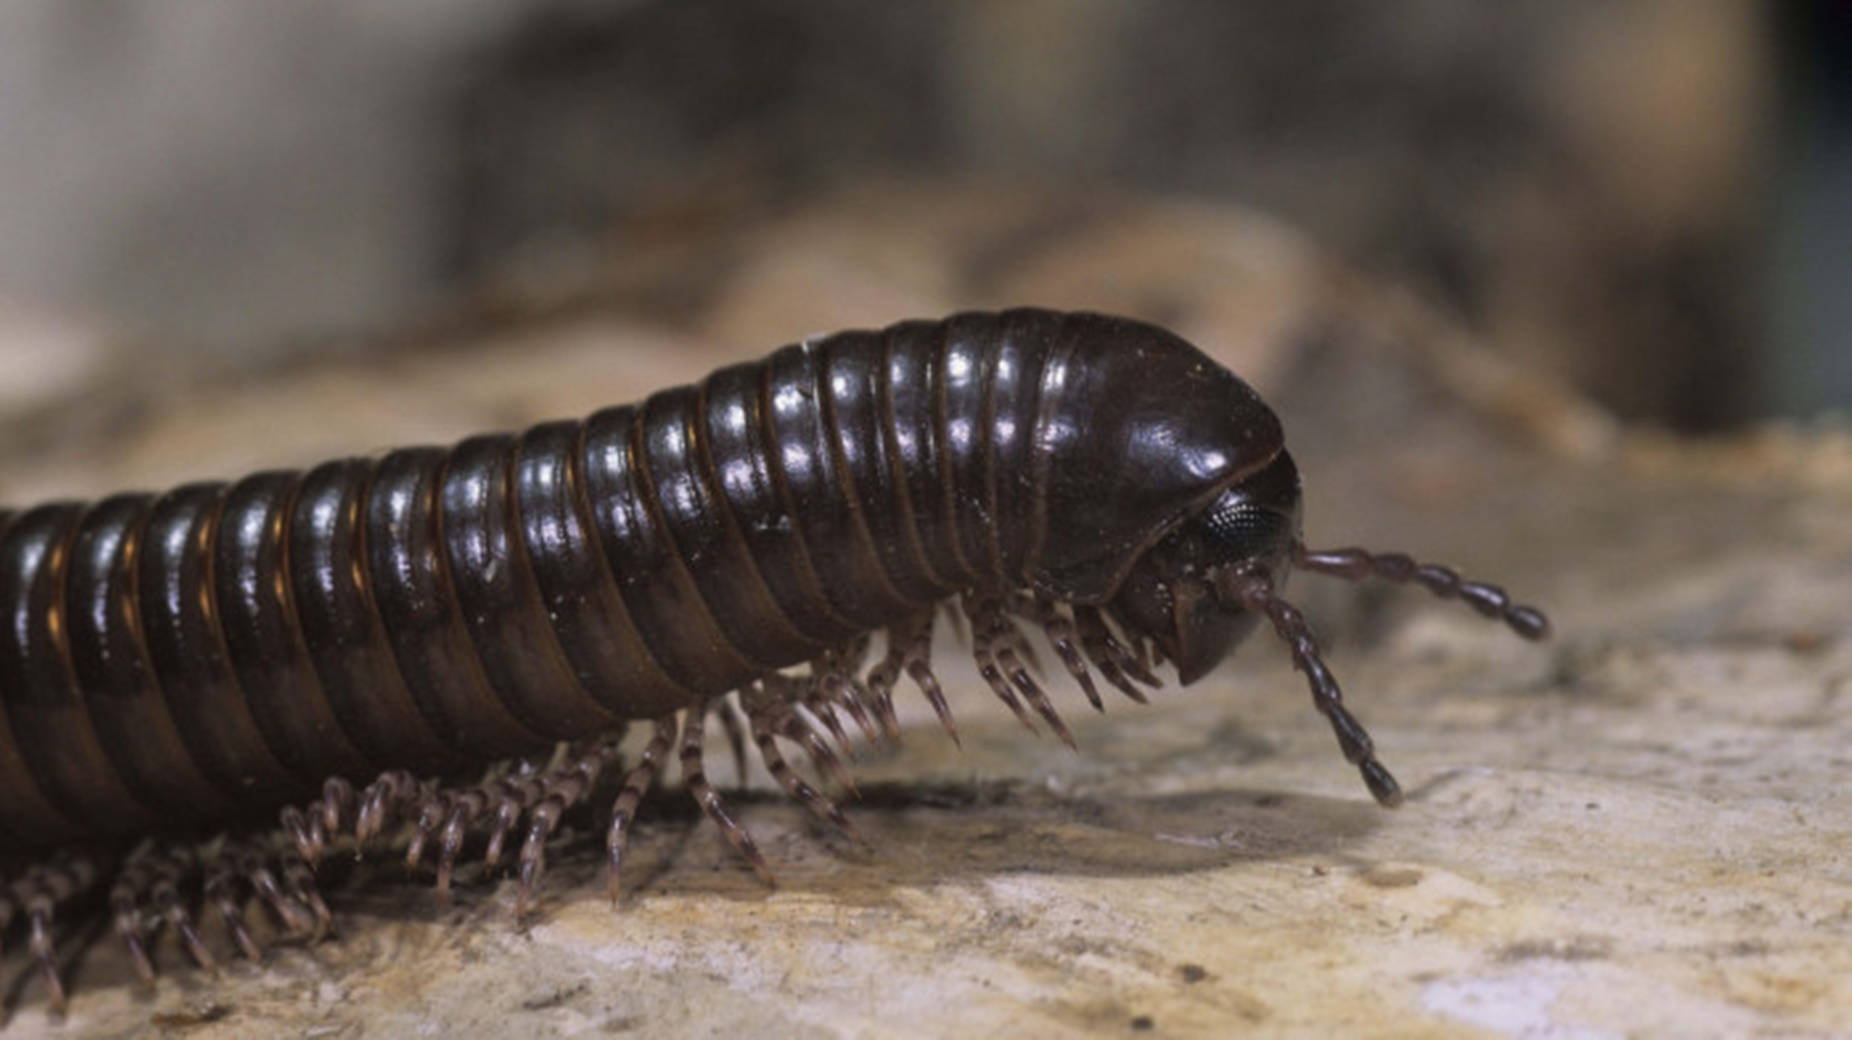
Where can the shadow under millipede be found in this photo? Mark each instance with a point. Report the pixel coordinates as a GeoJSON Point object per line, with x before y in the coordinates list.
{"type": "Point", "coordinates": [920, 835]}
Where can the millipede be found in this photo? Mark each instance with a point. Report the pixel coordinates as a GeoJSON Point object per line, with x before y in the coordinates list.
{"type": "Point", "coordinates": [445, 647]}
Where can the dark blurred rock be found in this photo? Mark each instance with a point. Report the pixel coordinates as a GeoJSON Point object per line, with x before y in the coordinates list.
{"type": "Point", "coordinates": [1579, 181]}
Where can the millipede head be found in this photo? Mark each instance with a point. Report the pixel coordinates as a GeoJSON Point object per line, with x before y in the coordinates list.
{"type": "Point", "coordinates": [1172, 594]}
{"type": "Point", "coordinates": [1217, 575]}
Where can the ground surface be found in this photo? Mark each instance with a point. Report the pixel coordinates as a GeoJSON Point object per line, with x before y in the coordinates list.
{"type": "Point", "coordinates": [1637, 829]}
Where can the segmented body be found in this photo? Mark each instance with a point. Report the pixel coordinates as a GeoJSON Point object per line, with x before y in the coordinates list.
{"type": "Point", "coordinates": [175, 658]}
{"type": "Point", "coordinates": [179, 660]}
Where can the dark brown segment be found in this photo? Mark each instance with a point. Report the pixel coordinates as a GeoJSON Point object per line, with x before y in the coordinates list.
{"type": "Point", "coordinates": [409, 577]}
{"type": "Point", "coordinates": [817, 495]}
{"type": "Point", "coordinates": [334, 603]}
{"type": "Point", "coordinates": [594, 630]}
{"type": "Point", "coordinates": [736, 430]}
{"type": "Point", "coordinates": [966, 371]}
{"type": "Point", "coordinates": [854, 367]}
{"type": "Point", "coordinates": [658, 593]}
{"type": "Point", "coordinates": [1025, 339]}
{"type": "Point", "coordinates": [110, 664]}
{"type": "Point", "coordinates": [497, 596]}
{"type": "Point", "coordinates": [263, 644]}
{"type": "Point", "coordinates": [53, 754]}
{"type": "Point", "coordinates": [180, 625]}
{"type": "Point", "coordinates": [914, 405]}
{"type": "Point", "coordinates": [675, 451]}
{"type": "Point", "coordinates": [12, 771]}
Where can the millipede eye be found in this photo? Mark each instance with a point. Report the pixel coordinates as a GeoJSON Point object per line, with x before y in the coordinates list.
{"type": "Point", "coordinates": [1244, 523]}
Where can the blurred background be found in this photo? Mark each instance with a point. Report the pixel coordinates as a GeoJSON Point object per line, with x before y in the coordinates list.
{"type": "Point", "coordinates": [1648, 201]}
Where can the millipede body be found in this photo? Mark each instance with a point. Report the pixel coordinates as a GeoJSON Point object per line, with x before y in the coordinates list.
{"type": "Point", "coordinates": [357, 643]}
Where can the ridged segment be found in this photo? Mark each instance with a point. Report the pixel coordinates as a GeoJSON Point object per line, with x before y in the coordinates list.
{"type": "Point", "coordinates": [343, 630]}
{"type": "Point", "coordinates": [854, 367]}
{"type": "Point", "coordinates": [681, 476]}
{"type": "Point", "coordinates": [816, 493]}
{"type": "Point", "coordinates": [658, 593]}
{"type": "Point", "coordinates": [179, 625]}
{"type": "Point", "coordinates": [408, 574]}
{"type": "Point", "coordinates": [1024, 341]}
{"type": "Point", "coordinates": [594, 630]}
{"type": "Point", "coordinates": [915, 405]}
{"type": "Point", "coordinates": [109, 660]}
{"type": "Point", "coordinates": [257, 621]}
{"type": "Point", "coordinates": [496, 594]}
{"type": "Point", "coordinates": [965, 371]}
{"type": "Point", "coordinates": [737, 434]}
{"type": "Point", "coordinates": [66, 781]}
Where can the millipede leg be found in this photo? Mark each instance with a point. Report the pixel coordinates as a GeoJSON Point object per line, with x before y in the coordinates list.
{"type": "Point", "coordinates": [1062, 635]}
{"type": "Point", "coordinates": [40, 893]}
{"type": "Point", "coordinates": [695, 777]}
{"type": "Point", "coordinates": [221, 891]}
{"type": "Point", "coordinates": [430, 817]}
{"type": "Point", "coordinates": [513, 794]}
{"type": "Point", "coordinates": [955, 620]}
{"type": "Point", "coordinates": [882, 701]}
{"type": "Point", "coordinates": [312, 826]}
{"type": "Point", "coordinates": [736, 739]}
{"type": "Point", "coordinates": [38, 918]}
{"type": "Point", "coordinates": [984, 653]}
{"type": "Point", "coordinates": [125, 895]}
{"type": "Point", "coordinates": [909, 650]}
{"type": "Point", "coordinates": [765, 736]}
{"type": "Point", "coordinates": [468, 806]}
{"type": "Point", "coordinates": [251, 864]}
{"type": "Point", "coordinates": [145, 894]}
{"type": "Point", "coordinates": [1013, 666]}
{"type": "Point", "coordinates": [531, 793]}
{"type": "Point", "coordinates": [1117, 664]}
{"type": "Point", "coordinates": [1022, 604]}
{"type": "Point", "coordinates": [304, 827]}
{"type": "Point", "coordinates": [565, 786]}
{"type": "Point", "coordinates": [836, 671]}
{"type": "Point", "coordinates": [636, 785]}
{"type": "Point", "coordinates": [1254, 590]}
{"type": "Point", "coordinates": [880, 680]}
{"type": "Point", "coordinates": [299, 880]}
{"type": "Point", "coordinates": [169, 866]}
{"type": "Point", "coordinates": [839, 690]}
{"type": "Point", "coordinates": [339, 804]}
{"type": "Point", "coordinates": [385, 802]}
{"type": "Point", "coordinates": [823, 711]}
{"type": "Point", "coordinates": [1037, 697]}
{"type": "Point", "coordinates": [779, 690]}
{"type": "Point", "coordinates": [997, 644]}
{"type": "Point", "coordinates": [881, 677]}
